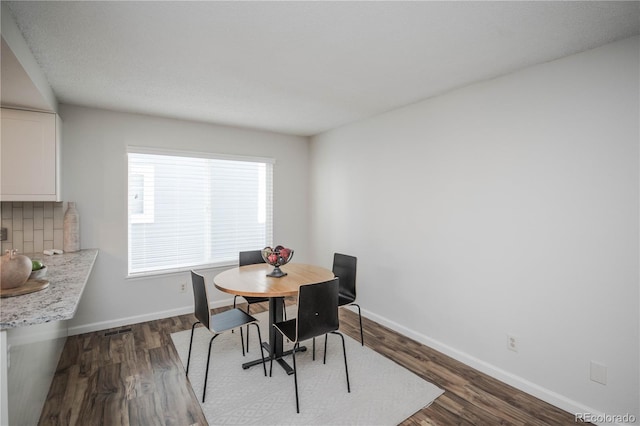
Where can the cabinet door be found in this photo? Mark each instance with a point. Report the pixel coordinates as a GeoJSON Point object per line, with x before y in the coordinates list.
{"type": "Point", "coordinates": [29, 156]}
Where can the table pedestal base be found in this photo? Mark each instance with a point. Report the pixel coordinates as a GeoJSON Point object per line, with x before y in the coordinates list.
{"type": "Point", "coordinates": [279, 359]}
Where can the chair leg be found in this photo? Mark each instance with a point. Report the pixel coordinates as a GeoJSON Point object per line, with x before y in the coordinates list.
{"type": "Point", "coordinates": [295, 375]}
{"type": "Point", "coordinates": [264, 366]}
{"type": "Point", "coordinates": [284, 309]}
{"type": "Point", "coordinates": [191, 344]}
{"type": "Point", "coordinates": [234, 306]}
{"type": "Point", "coordinates": [206, 374]}
{"type": "Point", "coordinates": [270, 362]}
{"type": "Point", "coordinates": [324, 359]}
{"type": "Point", "coordinates": [344, 351]}
{"type": "Point", "coordinates": [248, 307]}
{"type": "Point", "coordinates": [314, 349]}
{"type": "Point", "coordinates": [360, 317]}
{"type": "Point", "coordinates": [242, 340]}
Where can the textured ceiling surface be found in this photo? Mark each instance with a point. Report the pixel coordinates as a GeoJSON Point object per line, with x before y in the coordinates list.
{"type": "Point", "coordinates": [297, 67]}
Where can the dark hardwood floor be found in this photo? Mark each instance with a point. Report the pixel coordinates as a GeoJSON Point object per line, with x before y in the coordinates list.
{"type": "Point", "coordinates": [133, 376]}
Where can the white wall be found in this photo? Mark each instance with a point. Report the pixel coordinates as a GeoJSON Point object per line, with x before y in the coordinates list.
{"type": "Point", "coordinates": [509, 206]}
{"type": "Point", "coordinates": [95, 176]}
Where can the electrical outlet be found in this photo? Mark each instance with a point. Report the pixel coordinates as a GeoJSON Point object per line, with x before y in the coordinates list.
{"type": "Point", "coordinates": [598, 373]}
{"type": "Point", "coordinates": [512, 342]}
{"type": "Point", "coordinates": [183, 288]}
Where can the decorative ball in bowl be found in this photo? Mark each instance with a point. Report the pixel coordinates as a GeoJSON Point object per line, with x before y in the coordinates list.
{"type": "Point", "coordinates": [38, 270]}
{"type": "Point", "coordinates": [277, 257]}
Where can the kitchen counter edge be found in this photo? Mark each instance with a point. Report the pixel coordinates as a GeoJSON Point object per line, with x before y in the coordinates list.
{"type": "Point", "coordinates": [68, 274]}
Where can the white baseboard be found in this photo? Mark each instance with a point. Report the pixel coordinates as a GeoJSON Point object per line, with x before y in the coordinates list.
{"type": "Point", "coordinates": [517, 382]}
{"type": "Point", "coordinates": [120, 322]}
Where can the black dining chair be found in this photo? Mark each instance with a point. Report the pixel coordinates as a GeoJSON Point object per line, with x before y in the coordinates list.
{"type": "Point", "coordinates": [252, 257]}
{"type": "Point", "coordinates": [217, 323]}
{"type": "Point", "coordinates": [344, 267]}
{"type": "Point", "coordinates": [317, 316]}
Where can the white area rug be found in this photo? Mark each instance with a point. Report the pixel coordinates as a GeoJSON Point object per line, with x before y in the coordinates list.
{"type": "Point", "coordinates": [382, 392]}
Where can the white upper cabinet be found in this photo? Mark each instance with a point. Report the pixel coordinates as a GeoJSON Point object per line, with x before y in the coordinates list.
{"type": "Point", "coordinates": [30, 156]}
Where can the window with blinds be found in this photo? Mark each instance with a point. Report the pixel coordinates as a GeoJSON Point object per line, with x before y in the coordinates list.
{"type": "Point", "coordinates": [190, 210]}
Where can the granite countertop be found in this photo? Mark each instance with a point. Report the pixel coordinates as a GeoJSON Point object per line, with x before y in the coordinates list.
{"type": "Point", "coordinates": [68, 274]}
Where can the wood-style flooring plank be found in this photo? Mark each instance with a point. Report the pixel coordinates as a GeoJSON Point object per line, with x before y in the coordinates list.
{"type": "Point", "coordinates": [135, 377]}
{"type": "Point", "coordinates": [146, 411]}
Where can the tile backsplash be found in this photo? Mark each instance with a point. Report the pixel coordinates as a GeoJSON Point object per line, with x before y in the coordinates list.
{"type": "Point", "coordinates": [33, 226]}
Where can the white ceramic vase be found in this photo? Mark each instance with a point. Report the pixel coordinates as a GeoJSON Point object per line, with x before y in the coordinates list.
{"type": "Point", "coordinates": [71, 233]}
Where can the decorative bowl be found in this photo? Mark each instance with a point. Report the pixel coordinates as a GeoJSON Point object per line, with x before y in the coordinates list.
{"type": "Point", "coordinates": [277, 257]}
{"type": "Point", "coordinates": [38, 274]}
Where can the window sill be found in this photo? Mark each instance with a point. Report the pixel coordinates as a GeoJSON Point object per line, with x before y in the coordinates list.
{"type": "Point", "coordinates": [179, 271]}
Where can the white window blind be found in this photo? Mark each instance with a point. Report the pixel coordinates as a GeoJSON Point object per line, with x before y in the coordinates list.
{"type": "Point", "coordinates": [187, 210]}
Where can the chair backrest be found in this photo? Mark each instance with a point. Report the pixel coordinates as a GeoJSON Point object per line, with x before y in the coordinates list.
{"type": "Point", "coordinates": [250, 257]}
{"type": "Point", "coordinates": [344, 267]}
{"type": "Point", "coordinates": [200, 299]}
{"type": "Point", "coordinates": [317, 309]}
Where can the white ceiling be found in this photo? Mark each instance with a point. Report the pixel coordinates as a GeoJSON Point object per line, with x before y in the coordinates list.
{"type": "Point", "coordinates": [297, 67]}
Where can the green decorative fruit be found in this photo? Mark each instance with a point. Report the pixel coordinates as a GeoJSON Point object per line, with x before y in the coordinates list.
{"type": "Point", "coordinates": [36, 264]}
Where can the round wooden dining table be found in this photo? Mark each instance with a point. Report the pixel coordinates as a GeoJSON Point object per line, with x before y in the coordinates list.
{"type": "Point", "coordinates": [252, 280]}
